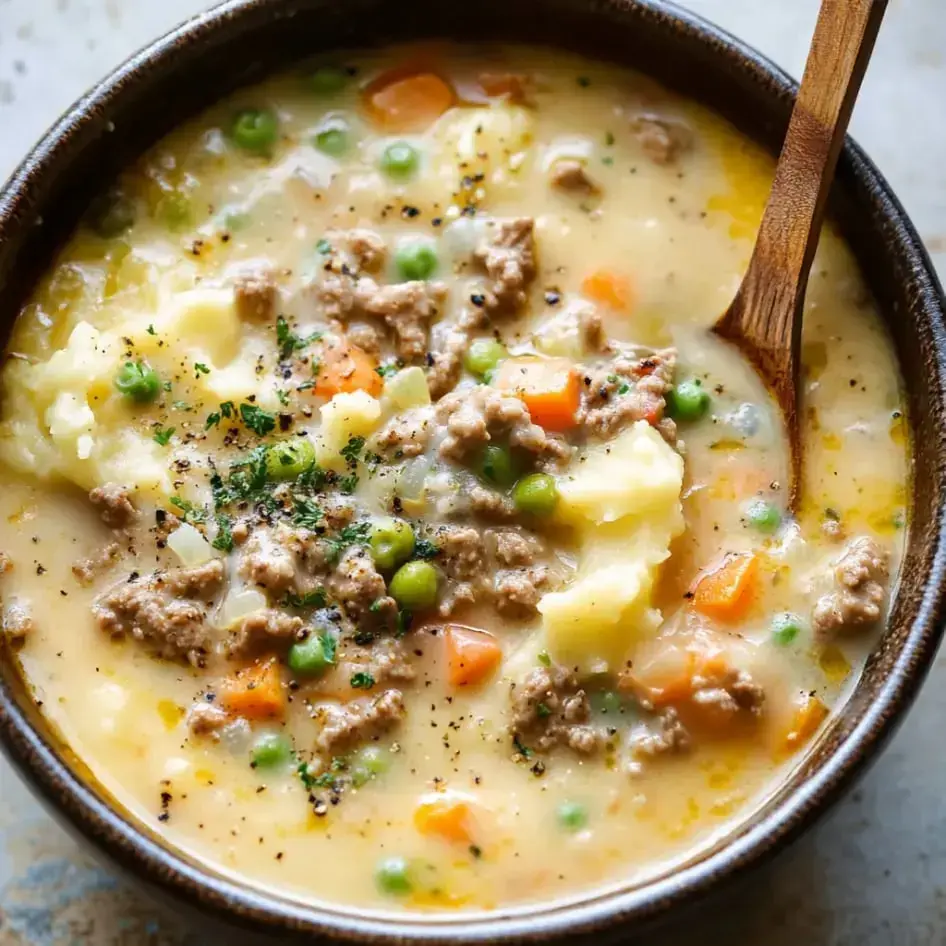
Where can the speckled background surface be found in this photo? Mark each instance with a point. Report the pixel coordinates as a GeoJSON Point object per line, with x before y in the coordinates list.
{"type": "Point", "coordinates": [875, 872]}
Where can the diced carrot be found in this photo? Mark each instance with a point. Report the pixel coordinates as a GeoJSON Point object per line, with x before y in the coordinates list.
{"type": "Point", "coordinates": [255, 692]}
{"type": "Point", "coordinates": [808, 716]}
{"type": "Point", "coordinates": [405, 102]}
{"type": "Point", "coordinates": [448, 817]}
{"type": "Point", "coordinates": [609, 288]}
{"type": "Point", "coordinates": [472, 655]}
{"type": "Point", "coordinates": [346, 368]}
{"type": "Point", "coordinates": [549, 387]}
{"type": "Point", "coordinates": [667, 679]}
{"type": "Point", "coordinates": [727, 591]}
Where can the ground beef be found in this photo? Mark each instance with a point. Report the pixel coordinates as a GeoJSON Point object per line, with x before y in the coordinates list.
{"type": "Point", "coordinates": [733, 692]}
{"type": "Point", "coordinates": [663, 140]}
{"type": "Point", "coordinates": [463, 562]}
{"type": "Point", "coordinates": [406, 434]}
{"type": "Point", "coordinates": [206, 719]}
{"type": "Point", "coordinates": [861, 574]}
{"type": "Point", "coordinates": [647, 742]}
{"type": "Point", "coordinates": [591, 328]}
{"type": "Point", "coordinates": [550, 709]}
{"type": "Point", "coordinates": [367, 248]}
{"type": "Point", "coordinates": [445, 366]}
{"type": "Point", "coordinates": [625, 390]}
{"type": "Point", "coordinates": [513, 548]}
{"type": "Point", "coordinates": [363, 336]}
{"type": "Point", "coordinates": [347, 724]}
{"type": "Point", "coordinates": [475, 417]}
{"type": "Point", "coordinates": [256, 296]}
{"type": "Point", "coordinates": [114, 505]}
{"type": "Point", "coordinates": [339, 511]}
{"type": "Point", "coordinates": [166, 611]}
{"type": "Point", "coordinates": [518, 590]}
{"type": "Point", "coordinates": [266, 630]}
{"type": "Point", "coordinates": [385, 659]}
{"type": "Point", "coordinates": [569, 175]}
{"type": "Point", "coordinates": [86, 570]}
{"type": "Point", "coordinates": [17, 621]}
{"type": "Point", "coordinates": [407, 309]}
{"type": "Point", "coordinates": [359, 588]}
{"type": "Point", "coordinates": [316, 554]}
{"type": "Point", "coordinates": [490, 504]}
{"type": "Point", "coordinates": [509, 260]}
{"type": "Point", "coordinates": [266, 561]}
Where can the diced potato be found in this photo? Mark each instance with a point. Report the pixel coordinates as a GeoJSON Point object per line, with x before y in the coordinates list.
{"type": "Point", "coordinates": [204, 320]}
{"type": "Point", "coordinates": [635, 474]}
{"type": "Point", "coordinates": [595, 621]}
{"type": "Point", "coordinates": [189, 545]}
{"type": "Point", "coordinates": [347, 415]}
{"type": "Point", "coordinates": [407, 388]}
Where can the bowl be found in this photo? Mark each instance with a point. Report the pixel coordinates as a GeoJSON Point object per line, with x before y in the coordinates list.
{"type": "Point", "coordinates": [239, 42]}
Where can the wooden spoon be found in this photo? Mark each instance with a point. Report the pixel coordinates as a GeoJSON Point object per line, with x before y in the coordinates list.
{"type": "Point", "coordinates": [764, 319]}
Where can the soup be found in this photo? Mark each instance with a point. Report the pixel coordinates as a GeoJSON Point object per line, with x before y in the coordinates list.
{"type": "Point", "coordinates": [384, 525]}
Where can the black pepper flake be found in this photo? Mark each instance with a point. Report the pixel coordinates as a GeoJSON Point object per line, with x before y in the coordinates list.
{"type": "Point", "coordinates": [552, 297]}
{"type": "Point", "coordinates": [478, 299]}
{"type": "Point", "coordinates": [40, 569]}
{"type": "Point", "coordinates": [538, 770]}
{"type": "Point", "coordinates": [285, 422]}
{"type": "Point", "coordinates": [410, 212]}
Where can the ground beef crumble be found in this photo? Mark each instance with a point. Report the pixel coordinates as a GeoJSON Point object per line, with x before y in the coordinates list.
{"type": "Point", "coordinates": [663, 140]}
{"type": "Point", "coordinates": [508, 257]}
{"type": "Point", "coordinates": [114, 505]}
{"type": "Point", "coordinates": [669, 736]}
{"type": "Point", "coordinates": [265, 631]}
{"type": "Point", "coordinates": [86, 570]}
{"type": "Point", "coordinates": [256, 295]}
{"type": "Point", "coordinates": [861, 574]}
{"type": "Point", "coordinates": [167, 611]}
{"type": "Point", "coordinates": [347, 724]}
{"type": "Point", "coordinates": [570, 175]}
{"type": "Point", "coordinates": [549, 709]}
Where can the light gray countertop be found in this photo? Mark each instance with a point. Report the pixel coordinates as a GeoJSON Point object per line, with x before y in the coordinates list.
{"type": "Point", "coordinates": [875, 872]}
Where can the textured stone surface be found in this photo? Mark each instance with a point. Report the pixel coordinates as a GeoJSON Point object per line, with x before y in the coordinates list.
{"type": "Point", "coordinates": [875, 873]}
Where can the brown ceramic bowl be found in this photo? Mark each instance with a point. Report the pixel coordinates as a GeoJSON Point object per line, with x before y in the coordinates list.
{"type": "Point", "coordinates": [242, 40]}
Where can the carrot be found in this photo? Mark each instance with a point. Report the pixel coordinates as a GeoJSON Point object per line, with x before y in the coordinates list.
{"type": "Point", "coordinates": [449, 818]}
{"type": "Point", "coordinates": [808, 716]}
{"type": "Point", "coordinates": [472, 655]}
{"type": "Point", "coordinates": [668, 678]}
{"type": "Point", "coordinates": [345, 368]}
{"type": "Point", "coordinates": [726, 592]}
{"type": "Point", "coordinates": [609, 288]}
{"type": "Point", "coordinates": [404, 102]}
{"type": "Point", "coordinates": [549, 387]}
{"type": "Point", "coordinates": [255, 692]}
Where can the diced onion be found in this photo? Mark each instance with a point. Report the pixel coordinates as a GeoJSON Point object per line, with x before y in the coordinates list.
{"type": "Point", "coordinates": [238, 604]}
{"type": "Point", "coordinates": [189, 545]}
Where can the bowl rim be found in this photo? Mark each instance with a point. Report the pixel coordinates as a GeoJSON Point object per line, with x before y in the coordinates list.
{"type": "Point", "coordinates": [221, 895]}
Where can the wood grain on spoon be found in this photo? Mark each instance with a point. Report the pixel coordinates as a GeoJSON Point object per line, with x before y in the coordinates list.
{"type": "Point", "coordinates": [764, 319]}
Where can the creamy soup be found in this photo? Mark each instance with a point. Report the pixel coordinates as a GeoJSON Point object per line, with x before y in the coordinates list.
{"type": "Point", "coordinates": [382, 522]}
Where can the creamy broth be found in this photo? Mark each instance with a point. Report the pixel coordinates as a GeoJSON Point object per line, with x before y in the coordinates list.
{"type": "Point", "coordinates": [689, 658]}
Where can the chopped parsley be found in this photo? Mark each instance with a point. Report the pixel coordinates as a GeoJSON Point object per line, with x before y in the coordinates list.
{"type": "Point", "coordinates": [544, 659]}
{"type": "Point", "coordinates": [151, 330]}
{"type": "Point", "coordinates": [323, 247]}
{"type": "Point", "coordinates": [283, 397]}
{"type": "Point", "coordinates": [542, 711]}
{"type": "Point", "coordinates": [162, 435]}
{"type": "Point", "coordinates": [223, 540]}
{"type": "Point", "coordinates": [190, 512]}
{"type": "Point", "coordinates": [361, 681]}
{"type": "Point", "coordinates": [424, 548]}
{"type": "Point", "coordinates": [307, 513]}
{"type": "Point", "coordinates": [387, 370]}
{"type": "Point", "coordinates": [354, 534]}
{"type": "Point", "coordinates": [226, 409]}
{"type": "Point", "coordinates": [352, 450]}
{"type": "Point", "coordinates": [609, 138]}
{"type": "Point", "coordinates": [524, 751]}
{"type": "Point", "coordinates": [348, 484]}
{"type": "Point", "coordinates": [289, 342]}
{"type": "Point", "coordinates": [200, 368]}
{"type": "Point", "coordinates": [259, 421]}
{"type": "Point", "coordinates": [313, 599]}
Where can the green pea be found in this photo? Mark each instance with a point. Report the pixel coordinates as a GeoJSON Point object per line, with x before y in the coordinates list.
{"type": "Point", "coordinates": [687, 401]}
{"type": "Point", "coordinates": [763, 516]}
{"type": "Point", "coordinates": [327, 80]}
{"type": "Point", "coordinates": [111, 214]}
{"type": "Point", "coordinates": [483, 357]}
{"type": "Point", "coordinates": [572, 815]}
{"type": "Point", "coordinates": [536, 494]}
{"type": "Point", "coordinates": [391, 542]}
{"type": "Point", "coordinates": [416, 259]}
{"type": "Point", "coordinates": [289, 459]}
{"type": "Point", "coordinates": [255, 129]}
{"type": "Point", "coordinates": [399, 159]}
{"type": "Point", "coordinates": [333, 138]}
{"type": "Point", "coordinates": [785, 628]}
{"type": "Point", "coordinates": [271, 750]}
{"type": "Point", "coordinates": [313, 656]}
{"type": "Point", "coordinates": [497, 466]}
{"type": "Point", "coordinates": [138, 381]}
{"type": "Point", "coordinates": [393, 876]}
{"type": "Point", "coordinates": [369, 764]}
{"type": "Point", "coordinates": [414, 586]}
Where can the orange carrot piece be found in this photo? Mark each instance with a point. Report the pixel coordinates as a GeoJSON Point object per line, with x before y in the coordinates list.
{"type": "Point", "coordinates": [449, 818]}
{"type": "Point", "coordinates": [400, 102]}
{"type": "Point", "coordinates": [255, 692]}
{"type": "Point", "coordinates": [549, 387]}
{"type": "Point", "coordinates": [809, 715]}
{"type": "Point", "coordinates": [472, 655]}
{"type": "Point", "coordinates": [609, 288]}
{"type": "Point", "coordinates": [345, 368]}
{"type": "Point", "coordinates": [726, 592]}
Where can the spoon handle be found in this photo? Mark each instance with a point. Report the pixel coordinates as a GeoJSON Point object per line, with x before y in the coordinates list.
{"type": "Point", "coordinates": [765, 316]}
